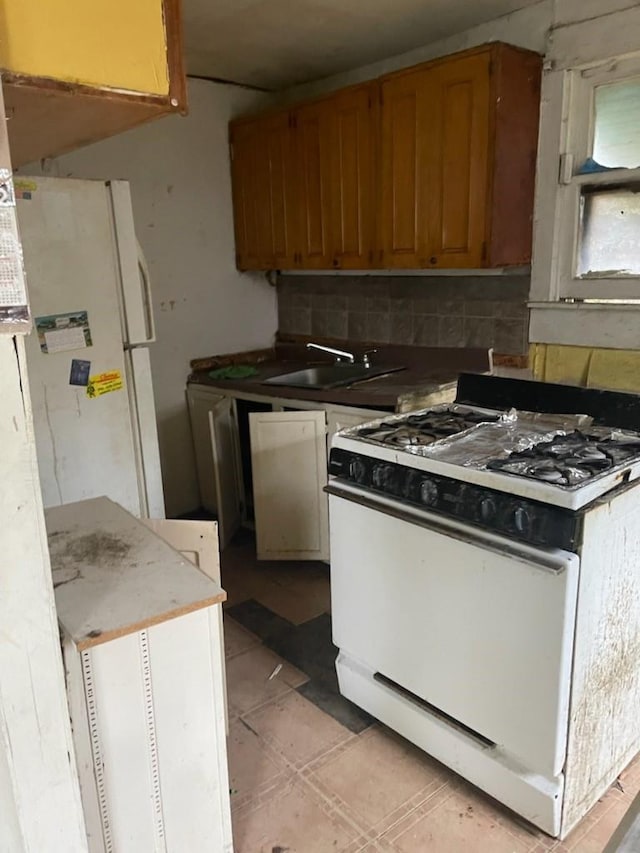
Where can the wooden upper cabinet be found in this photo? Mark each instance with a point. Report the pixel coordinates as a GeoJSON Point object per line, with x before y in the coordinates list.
{"type": "Point", "coordinates": [459, 141]}
{"type": "Point", "coordinates": [430, 167]}
{"type": "Point", "coordinates": [75, 72]}
{"type": "Point", "coordinates": [335, 140]}
{"type": "Point", "coordinates": [404, 180]}
{"type": "Point", "coordinates": [457, 149]}
{"type": "Point", "coordinates": [312, 125]}
{"type": "Point", "coordinates": [352, 177]}
{"type": "Point", "coordinates": [262, 164]}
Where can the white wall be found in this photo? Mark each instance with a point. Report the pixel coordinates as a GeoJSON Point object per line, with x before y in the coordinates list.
{"type": "Point", "coordinates": [180, 182]}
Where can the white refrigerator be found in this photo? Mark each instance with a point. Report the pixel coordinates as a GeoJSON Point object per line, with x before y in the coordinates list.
{"type": "Point", "coordinates": [87, 356]}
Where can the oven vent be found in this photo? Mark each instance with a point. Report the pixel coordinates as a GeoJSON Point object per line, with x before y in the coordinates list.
{"type": "Point", "coordinates": [436, 712]}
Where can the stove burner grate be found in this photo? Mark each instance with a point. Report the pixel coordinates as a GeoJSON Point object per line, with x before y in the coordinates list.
{"type": "Point", "coordinates": [571, 459]}
{"type": "Point", "coordinates": [423, 429]}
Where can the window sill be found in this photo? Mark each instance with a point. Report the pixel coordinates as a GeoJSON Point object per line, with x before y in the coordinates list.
{"type": "Point", "coordinates": [610, 326]}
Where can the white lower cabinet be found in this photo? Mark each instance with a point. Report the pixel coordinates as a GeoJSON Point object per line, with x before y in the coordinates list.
{"type": "Point", "coordinates": [144, 664]}
{"type": "Point", "coordinates": [288, 457]}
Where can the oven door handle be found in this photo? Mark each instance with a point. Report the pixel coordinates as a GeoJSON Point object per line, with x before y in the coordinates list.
{"type": "Point", "coordinates": [546, 559]}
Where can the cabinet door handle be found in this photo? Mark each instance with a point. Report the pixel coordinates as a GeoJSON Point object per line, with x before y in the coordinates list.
{"type": "Point", "coordinates": [336, 262]}
{"type": "Point", "coordinates": [433, 260]}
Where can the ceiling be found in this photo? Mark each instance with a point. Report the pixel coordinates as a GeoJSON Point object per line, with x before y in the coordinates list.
{"type": "Point", "coordinates": [274, 44]}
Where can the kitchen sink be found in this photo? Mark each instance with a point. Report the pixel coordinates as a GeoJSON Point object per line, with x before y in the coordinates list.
{"type": "Point", "coordinates": [322, 376]}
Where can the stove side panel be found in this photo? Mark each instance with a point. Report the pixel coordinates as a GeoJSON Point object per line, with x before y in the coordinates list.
{"type": "Point", "coordinates": [604, 720]}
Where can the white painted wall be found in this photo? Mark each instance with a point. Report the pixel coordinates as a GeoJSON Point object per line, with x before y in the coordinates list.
{"type": "Point", "coordinates": [181, 187]}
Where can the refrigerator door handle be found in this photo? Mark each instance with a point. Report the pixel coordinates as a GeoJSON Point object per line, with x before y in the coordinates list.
{"type": "Point", "coordinates": [145, 280]}
{"type": "Point", "coordinates": [137, 315]}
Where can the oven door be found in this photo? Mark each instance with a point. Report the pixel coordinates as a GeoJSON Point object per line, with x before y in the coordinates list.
{"type": "Point", "coordinates": [476, 625]}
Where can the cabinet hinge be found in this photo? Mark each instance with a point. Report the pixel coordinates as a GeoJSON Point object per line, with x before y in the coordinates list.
{"type": "Point", "coordinates": [484, 250]}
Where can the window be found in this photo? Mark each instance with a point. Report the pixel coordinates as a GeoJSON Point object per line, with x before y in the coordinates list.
{"type": "Point", "coordinates": [598, 226]}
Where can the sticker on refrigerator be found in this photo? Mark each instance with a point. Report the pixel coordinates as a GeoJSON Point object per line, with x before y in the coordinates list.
{"type": "Point", "coordinates": [24, 188]}
{"type": "Point", "coordinates": [63, 332]}
{"type": "Point", "coordinates": [104, 383]}
{"type": "Point", "coordinates": [80, 370]}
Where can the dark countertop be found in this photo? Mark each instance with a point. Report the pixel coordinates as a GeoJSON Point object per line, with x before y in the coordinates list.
{"type": "Point", "coordinates": [429, 377]}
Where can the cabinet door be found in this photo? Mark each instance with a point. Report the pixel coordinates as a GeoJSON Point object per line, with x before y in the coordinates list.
{"type": "Point", "coordinates": [313, 132]}
{"type": "Point", "coordinates": [403, 226]}
{"type": "Point", "coordinates": [278, 141]}
{"type": "Point", "coordinates": [216, 445]}
{"type": "Point", "coordinates": [264, 192]}
{"type": "Point", "coordinates": [289, 462]}
{"type": "Point", "coordinates": [352, 178]}
{"type": "Point", "coordinates": [249, 185]}
{"type": "Point", "coordinates": [459, 161]}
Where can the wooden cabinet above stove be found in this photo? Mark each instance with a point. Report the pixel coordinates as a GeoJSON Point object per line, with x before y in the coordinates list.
{"type": "Point", "coordinates": [76, 72]}
{"type": "Point", "coordinates": [432, 167]}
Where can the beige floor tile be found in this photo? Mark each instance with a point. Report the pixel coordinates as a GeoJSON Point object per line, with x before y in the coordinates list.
{"type": "Point", "coordinates": [249, 683]}
{"type": "Point", "coordinates": [593, 836]}
{"type": "Point", "coordinates": [236, 638]}
{"type": "Point", "coordinates": [297, 729]}
{"type": "Point", "coordinates": [297, 820]}
{"type": "Point", "coordinates": [253, 766]}
{"type": "Point", "coordinates": [456, 826]}
{"type": "Point", "coordinates": [292, 603]}
{"type": "Point", "coordinates": [379, 777]}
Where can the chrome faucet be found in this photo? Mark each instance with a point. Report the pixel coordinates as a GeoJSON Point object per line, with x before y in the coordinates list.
{"type": "Point", "coordinates": [340, 354]}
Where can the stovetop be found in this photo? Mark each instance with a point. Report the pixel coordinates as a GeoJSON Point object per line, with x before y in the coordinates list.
{"type": "Point", "coordinates": [557, 459]}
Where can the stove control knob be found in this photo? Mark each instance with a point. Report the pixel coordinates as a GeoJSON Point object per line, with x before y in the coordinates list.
{"type": "Point", "coordinates": [429, 493]}
{"type": "Point", "coordinates": [357, 470]}
{"type": "Point", "coordinates": [487, 510]}
{"type": "Point", "coordinates": [521, 519]}
{"type": "Point", "coordinates": [385, 478]}
{"type": "Point", "coordinates": [377, 476]}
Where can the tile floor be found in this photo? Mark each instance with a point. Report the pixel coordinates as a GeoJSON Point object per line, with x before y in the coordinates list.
{"type": "Point", "coordinates": [302, 782]}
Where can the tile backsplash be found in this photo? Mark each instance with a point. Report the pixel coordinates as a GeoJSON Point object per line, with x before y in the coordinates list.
{"type": "Point", "coordinates": [478, 311]}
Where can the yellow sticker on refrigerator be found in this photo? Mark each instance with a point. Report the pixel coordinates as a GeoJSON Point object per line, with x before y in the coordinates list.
{"type": "Point", "coordinates": [104, 383]}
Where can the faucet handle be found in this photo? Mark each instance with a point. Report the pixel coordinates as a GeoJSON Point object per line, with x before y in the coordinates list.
{"type": "Point", "coordinates": [365, 357]}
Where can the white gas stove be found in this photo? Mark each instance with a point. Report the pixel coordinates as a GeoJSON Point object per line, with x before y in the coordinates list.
{"type": "Point", "coordinates": [485, 562]}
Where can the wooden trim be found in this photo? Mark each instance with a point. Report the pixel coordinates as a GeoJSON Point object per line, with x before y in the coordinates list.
{"type": "Point", "coordinates": [172, 11]}
{"type": "Point", "coordinates": [67, 87]}
{"type": "Point", "coordinates": [228, 359]}
{"type": "Point", "coordinates": [90, 641]}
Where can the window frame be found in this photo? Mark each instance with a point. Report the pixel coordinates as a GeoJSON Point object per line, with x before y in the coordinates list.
{"type": "Point", "coordinates": [579, 128]}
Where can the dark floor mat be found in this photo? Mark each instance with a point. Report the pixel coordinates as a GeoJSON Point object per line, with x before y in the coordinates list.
{"type": "Point", "coordinates": [310, 649]}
